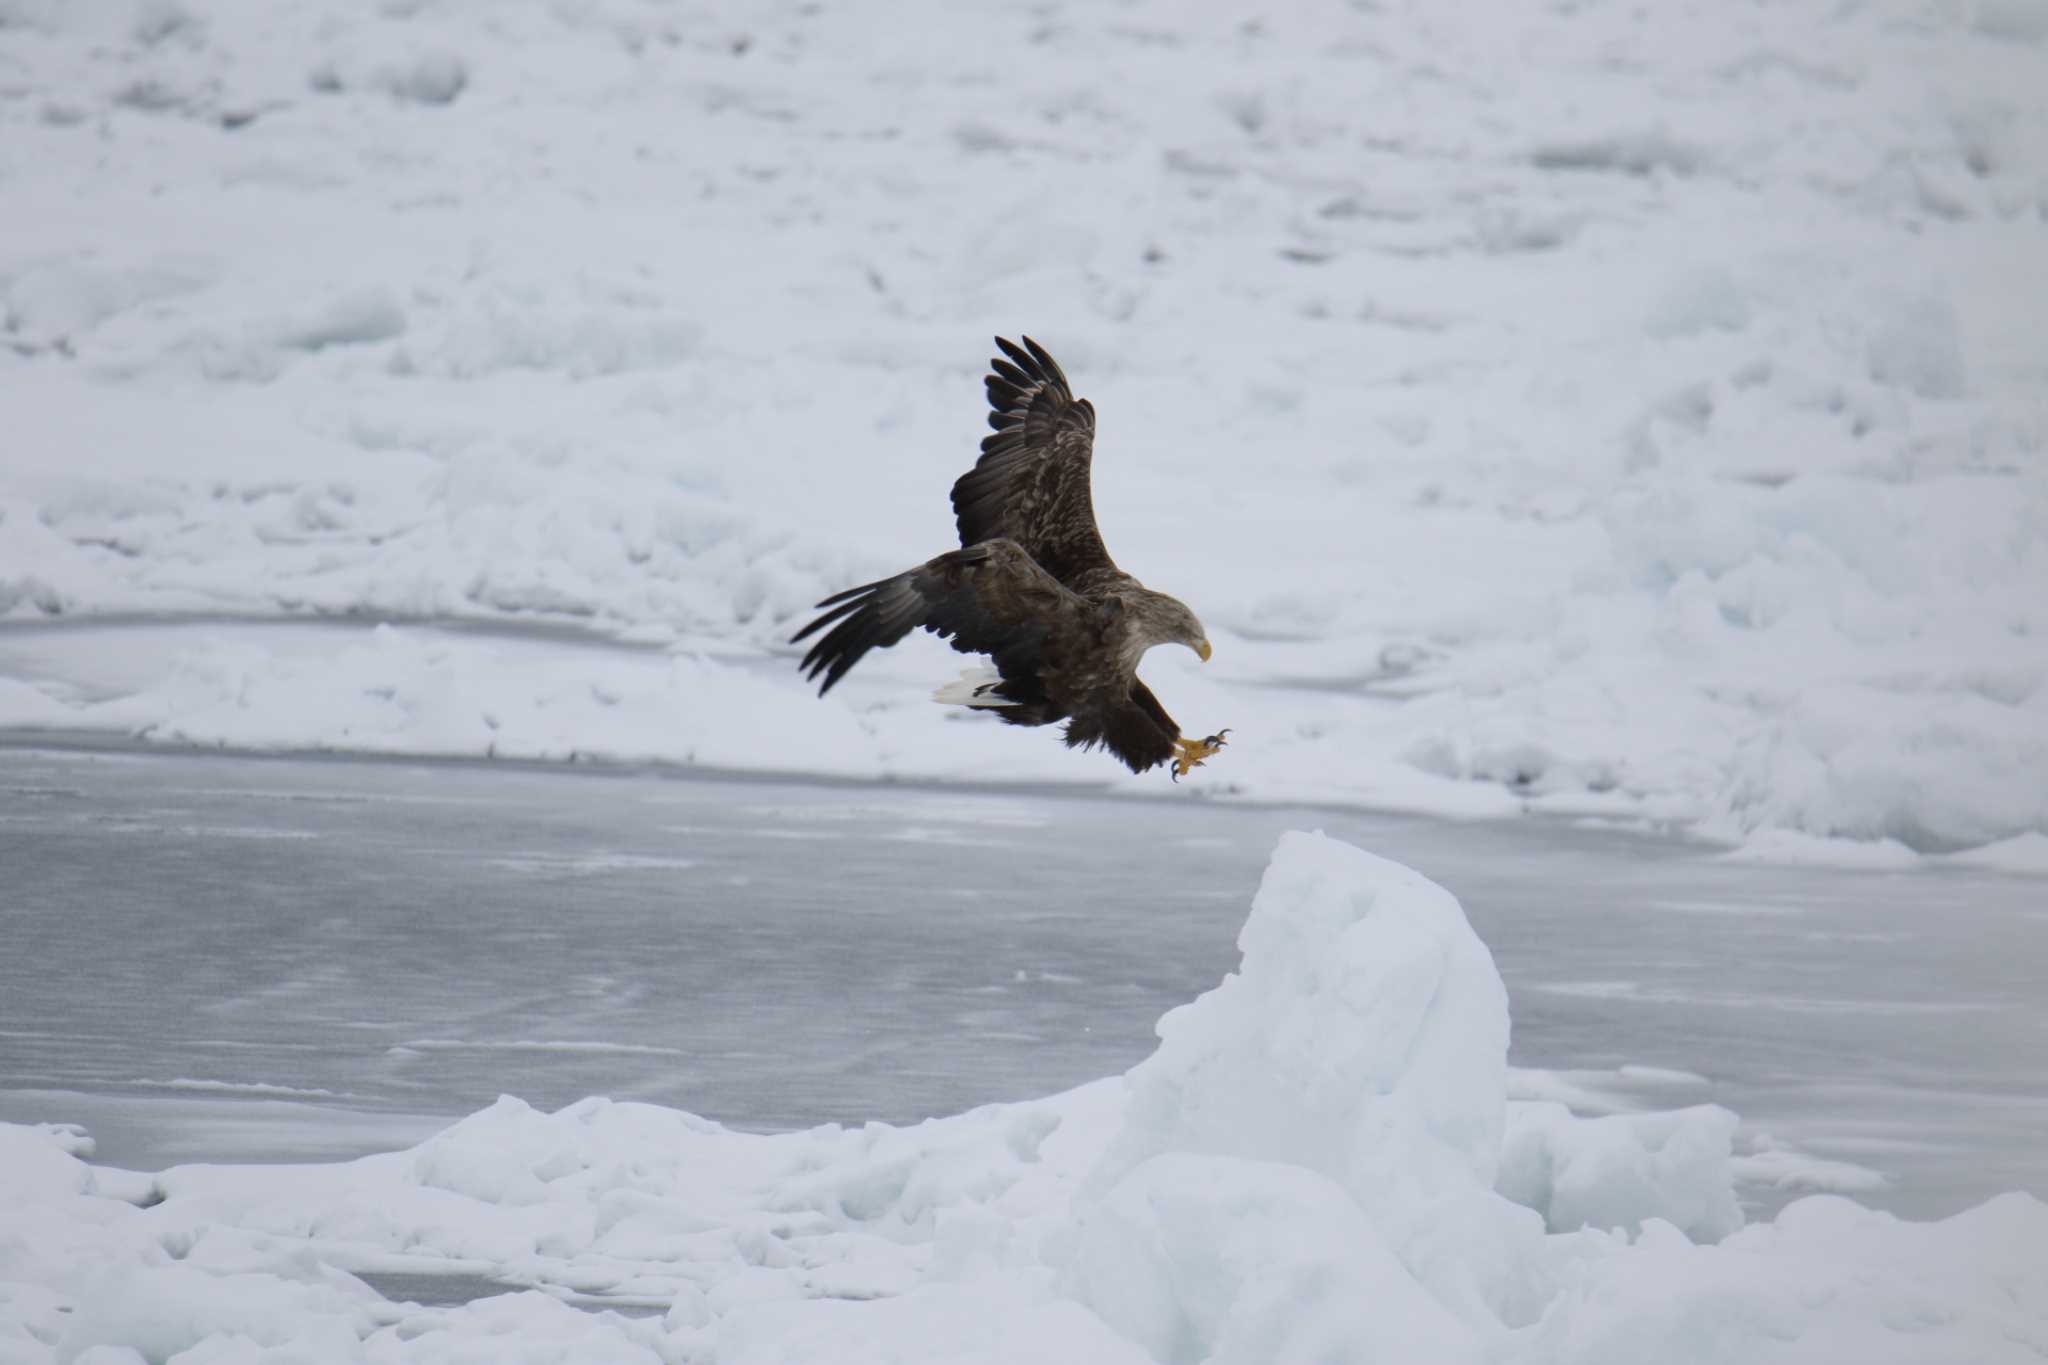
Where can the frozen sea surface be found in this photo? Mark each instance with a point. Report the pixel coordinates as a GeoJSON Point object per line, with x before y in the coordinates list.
{"type": "Point", "coordinates": [241, 958]}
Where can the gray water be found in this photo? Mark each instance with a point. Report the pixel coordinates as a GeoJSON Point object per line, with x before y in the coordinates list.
{"type": "Point", "coordinates": [240, 958]}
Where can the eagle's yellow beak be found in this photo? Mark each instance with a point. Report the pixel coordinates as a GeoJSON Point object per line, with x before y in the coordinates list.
{"type": "Point", "coordinates": [1202, 648]}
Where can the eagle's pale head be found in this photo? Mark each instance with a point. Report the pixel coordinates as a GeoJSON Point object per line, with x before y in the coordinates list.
{"type": "Point", "coordinates": [1167, 621]}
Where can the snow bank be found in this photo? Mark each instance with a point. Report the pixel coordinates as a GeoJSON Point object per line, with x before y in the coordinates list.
{"type": "Point", "coordinates": [391, 690]}
{"type": "Point", "coordinates": [1642, 423]}
{"type": "Point", "coordinates": [1320, 1162]}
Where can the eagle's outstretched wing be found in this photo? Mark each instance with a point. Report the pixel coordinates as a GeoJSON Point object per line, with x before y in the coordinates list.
{"type": "Point", "coordinates": [989, 598]}
{"type": "Point", "coordinates": [1031, 482]}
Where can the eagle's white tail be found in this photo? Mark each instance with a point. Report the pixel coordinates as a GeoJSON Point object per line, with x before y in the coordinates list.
{"type": "Point", "coordinates": [972, 688]}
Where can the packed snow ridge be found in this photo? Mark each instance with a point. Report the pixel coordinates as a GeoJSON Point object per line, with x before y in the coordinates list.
{"type": "Point", "coordinates": [1633, 415]}
{"type": "Point", "coordinates": [1320, 1163]}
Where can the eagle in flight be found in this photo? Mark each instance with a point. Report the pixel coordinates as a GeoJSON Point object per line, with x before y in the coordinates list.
{"type": "Point", "coordinates": [1031, 586]}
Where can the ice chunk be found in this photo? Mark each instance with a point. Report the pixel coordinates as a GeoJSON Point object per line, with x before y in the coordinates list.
{"type": "Point", "coordinates": [1363, 1041]}
{"type": "Point", "coordinates": [163, 1310]}
{"type": "Point", "coordinates": [351, 319]}
{"type": "Point", "coordinates": [1364, 1037]}
{"type": "Point", "coordinates": [1617, 1170]}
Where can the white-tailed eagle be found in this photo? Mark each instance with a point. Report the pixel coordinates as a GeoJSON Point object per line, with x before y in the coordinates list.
{"type": "Point", "coordinates": [1032, 587]}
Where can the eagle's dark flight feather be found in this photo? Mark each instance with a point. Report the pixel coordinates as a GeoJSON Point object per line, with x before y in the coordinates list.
{"type": "Point", "coordinates": [987, 599]}
{"type": "Point", "coordinates": [1031, 483]}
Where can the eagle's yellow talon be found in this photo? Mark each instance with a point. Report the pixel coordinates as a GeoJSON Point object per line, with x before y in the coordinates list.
{"type": "Point", "coordinates": [1190, 754]}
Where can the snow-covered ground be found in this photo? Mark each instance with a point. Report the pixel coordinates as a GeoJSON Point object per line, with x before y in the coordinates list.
{"type": "Point", "coordinates": [1319, 1163]}
{"type": "Point", "coordinates": [1634, 411]}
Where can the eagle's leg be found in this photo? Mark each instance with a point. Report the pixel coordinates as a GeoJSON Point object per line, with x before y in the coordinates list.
{"type": "Point", "coordinates": [1189, 754]}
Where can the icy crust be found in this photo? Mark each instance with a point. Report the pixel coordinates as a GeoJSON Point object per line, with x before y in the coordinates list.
{"type": "Point", "coordinates": [1319, 1163]}
{"type": "Point", "coordinates": [1643, 423]}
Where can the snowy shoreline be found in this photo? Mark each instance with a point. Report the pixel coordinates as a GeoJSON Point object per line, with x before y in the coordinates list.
{"type": "Point", "coordinates": [558, 695]}
{"type": "Point", "coordinates": [1558, 408]}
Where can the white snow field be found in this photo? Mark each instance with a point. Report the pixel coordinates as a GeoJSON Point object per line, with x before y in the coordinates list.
{"type": "Point", "coordinates": [1319, 1163]}
{"type": "Point", "coordinates": [1627, 411]}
